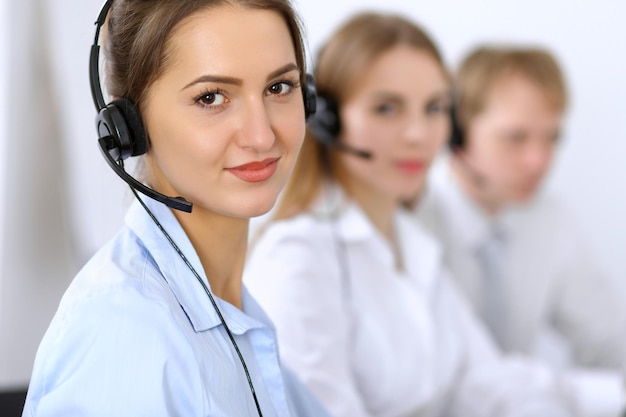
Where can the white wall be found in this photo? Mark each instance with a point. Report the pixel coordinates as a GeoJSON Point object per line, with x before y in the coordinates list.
{"type": "Point", "coordinates": [36, 261]}
{"type": "Point", "coordinates": [4, 100]}
{"type": "Point", "coordinates": [587, 37]}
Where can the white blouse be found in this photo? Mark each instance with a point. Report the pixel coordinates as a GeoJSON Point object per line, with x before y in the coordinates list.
{"type": "Point", "coordinates": [371, 340]}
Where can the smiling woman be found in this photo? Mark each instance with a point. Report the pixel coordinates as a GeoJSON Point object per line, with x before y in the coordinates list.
{"type": "Point", "coordinates": [158, 321]}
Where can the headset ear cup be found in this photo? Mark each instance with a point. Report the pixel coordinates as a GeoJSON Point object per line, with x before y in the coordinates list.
{"type": "Point", "coordinates": [113, 132]}
{"type": "Point", "coordinates": [457, 139]}
{"type": "Point", "coordinates": [138, 141]}
{"type": "Point", "coordinates": [121, 123]}
{"type": "Point", "coordinates": [310, 97]}
{"type": "Point", "coordinates": [325, 126]}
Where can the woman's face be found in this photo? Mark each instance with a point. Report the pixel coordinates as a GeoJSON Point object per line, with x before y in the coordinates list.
{"type": "Point", "coordinates": [398, 110]}
{"type": "Point", "coordinates": [226, 118]}
{"type": "Point", "coordinates": [511, 143]}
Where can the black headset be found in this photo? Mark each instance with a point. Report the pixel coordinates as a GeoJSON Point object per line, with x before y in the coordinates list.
{"type": "Point", "coordinates": [326, 124]}
{"type": "Point", "coordinates": [456, 142]}
{"type": "Point", "coordinates": [121, 133]}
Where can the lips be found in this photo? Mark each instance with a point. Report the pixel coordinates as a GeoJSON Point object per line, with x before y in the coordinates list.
{"type": "Point", "coordinates": [411, 166]}
{"type": "Point", "coordinates": [256, 171]}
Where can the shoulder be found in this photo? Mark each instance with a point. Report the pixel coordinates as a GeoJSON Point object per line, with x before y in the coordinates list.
{"type": "Point", "coordinates": [302, 234]}
{"type": "Point", "coordinates": [292, 257]}
{"type": "Point", "coordinates": [122, 272]}
{"type": "Point", "coordinates": [118, 310]}
{"type": "Point", "coordinates": [116, 335]}
{"type": "Point", "coordinates": [547, 213]}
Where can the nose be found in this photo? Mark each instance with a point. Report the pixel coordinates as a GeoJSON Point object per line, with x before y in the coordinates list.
{"type": "Point", "coordinates": [255, 130]}
{"type": "Point", "coordinates": [424, 129]}
{"type": "Point", "coordinates": [537, 158]}
{"type": "Point", "coordinates": [416, 129]}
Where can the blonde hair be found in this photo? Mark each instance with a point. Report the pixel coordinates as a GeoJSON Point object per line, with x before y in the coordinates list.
{"type": "Point", "coordinates": [340, 63]}
{"type": "Point", "coordinates": [485, 66]}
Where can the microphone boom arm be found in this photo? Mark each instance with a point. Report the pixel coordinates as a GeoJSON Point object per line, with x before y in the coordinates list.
{"type": "Point", "coordinates": [178, 203]}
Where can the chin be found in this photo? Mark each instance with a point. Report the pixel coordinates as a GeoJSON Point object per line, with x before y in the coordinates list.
{"type": "Point", "coordinates": [256, 208]}
{"type": "Point", "coordinates": [522, 197]}
{"type": "Point", "coordinates": [411, 192]}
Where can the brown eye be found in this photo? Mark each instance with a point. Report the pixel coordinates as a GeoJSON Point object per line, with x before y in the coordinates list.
{"type": "Point", "coordinates": [210, 99]}
{"type": "Point", "coordinates": [437, 107]}
{"type": "Point", "coordinates": [281, 88]}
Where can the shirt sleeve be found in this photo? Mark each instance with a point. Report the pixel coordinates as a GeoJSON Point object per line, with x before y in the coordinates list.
{"type": "Point", "coordinates": [507, 386]}
{"type": "Point", "coordinates": [589, 310]}
{"type": "Point", "coordinates": [589, 313]}
{"type": "Point", "coordinates": [294, 273]}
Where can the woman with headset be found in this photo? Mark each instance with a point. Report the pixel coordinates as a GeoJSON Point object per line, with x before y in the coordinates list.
{"type": "Point", "coordinates": [158, 322]}
{"type": "Point", "coordinates": [366, 314]}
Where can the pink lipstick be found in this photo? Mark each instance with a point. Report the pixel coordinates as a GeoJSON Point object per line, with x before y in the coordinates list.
{"type": "Point", "coordinates": [411, 166]}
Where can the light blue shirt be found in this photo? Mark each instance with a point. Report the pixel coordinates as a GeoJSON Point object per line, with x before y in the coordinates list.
{"type": "Point", "coordinates": [136, 335]}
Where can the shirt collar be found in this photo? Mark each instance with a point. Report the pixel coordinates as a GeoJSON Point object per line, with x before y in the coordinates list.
{"type": "Point", "coordinates": [351, 222]}
{"type": "Point", "coordinates": [185, 286]}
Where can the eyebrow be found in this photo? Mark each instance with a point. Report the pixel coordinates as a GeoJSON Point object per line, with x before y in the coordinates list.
{"type": "Point", "coordinates": [384, 95]}
{"type": "Point", "coordinates": [238, 81]}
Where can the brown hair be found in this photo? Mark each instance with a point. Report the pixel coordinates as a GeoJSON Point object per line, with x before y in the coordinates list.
{"type": "Point", "coordinates": [343, 60]}
{"type": "Point", "coordinates": [138, 32]}
{"type": "Point", "coordinates": [485, 66]}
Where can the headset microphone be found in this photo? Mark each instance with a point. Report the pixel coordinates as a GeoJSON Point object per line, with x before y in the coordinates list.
{"type": "Point", "coordinates": [106, 146]}
{"type": "Point", "coordinates": [325, 126]}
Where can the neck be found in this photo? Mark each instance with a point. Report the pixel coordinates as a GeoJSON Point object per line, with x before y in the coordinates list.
{"type": "Point", "coordinates": [474, 185]}
{"type": "Point", "coordinates": [221, 244]}
{"type": "Point", "coordinates": [379, 209]}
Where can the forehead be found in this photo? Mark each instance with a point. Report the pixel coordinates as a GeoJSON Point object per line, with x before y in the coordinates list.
{"type": "Point", "coordinates": [517, 95]}
{"type": "Point", "coordinates": [404, 70]}
{"type": "Point", "coordinates": [229, 39]}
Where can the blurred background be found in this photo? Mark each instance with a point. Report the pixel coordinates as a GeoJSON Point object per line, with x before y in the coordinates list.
{"type": "Point", "coordinates": [60, 201]}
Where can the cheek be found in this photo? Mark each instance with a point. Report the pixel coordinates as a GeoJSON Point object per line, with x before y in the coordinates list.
{"type": "Point", "coordinates": [484, 151]}
{"type": "Point", "coordinates": [288, 124]}
{"type": "Point", "coordinates": [358, 128]}
{"type": "Point", "coordinates": [186, 144]}
{"type": "Point", "coordinates": [369, 137]}
{"type": "Point", "coordinates": [439, 135]}
{"type": "Point", "coordinates": [291, 131]}
{"type": "Point", "coordinates": [186, 152]}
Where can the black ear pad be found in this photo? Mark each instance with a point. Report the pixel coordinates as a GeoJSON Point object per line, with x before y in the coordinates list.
{"type": "Point", "coordinates": [310, 97]}
{"type": "Point", "coordinates": [325, 126]}
{"type": "Point", "coordinates": [457, 138]}
{"type": "Point", "coordinates": [121, 121]}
